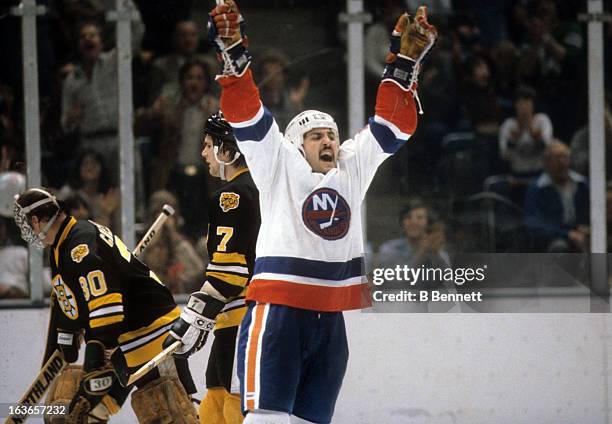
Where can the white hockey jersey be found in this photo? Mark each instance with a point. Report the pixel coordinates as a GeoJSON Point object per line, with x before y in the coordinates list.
{"type": "Point", "coordinates": [310, 245]}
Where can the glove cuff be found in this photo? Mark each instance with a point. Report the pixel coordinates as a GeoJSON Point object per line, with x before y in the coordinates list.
{"type": "Point", "coordinates": [95, 357]}
{"type": "Point", "coordinates": [236, 59]}
{"type": "Point", "coordinates": [205, 305]}
{"type": "Point", "coordinates": [403, 72]}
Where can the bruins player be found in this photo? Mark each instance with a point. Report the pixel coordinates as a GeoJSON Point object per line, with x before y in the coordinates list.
{"type": "Point", "coordinates": [232, 234]}
{"type": "Point", "coordinates": [106, 294]}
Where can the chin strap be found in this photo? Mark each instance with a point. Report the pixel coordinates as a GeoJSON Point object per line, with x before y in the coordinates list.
{"type": "Point", "coordinates": [222, 164]}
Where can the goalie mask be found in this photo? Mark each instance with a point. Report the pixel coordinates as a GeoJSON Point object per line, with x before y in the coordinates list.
{"type": "Point", "coordinates": [20, 213]}
{"type": "Point", "coordinates": [223, 138]}
{"type": "Point", "coordinates": [306, 121]}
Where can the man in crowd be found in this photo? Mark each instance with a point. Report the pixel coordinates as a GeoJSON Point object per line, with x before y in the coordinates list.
{"type": "Point", "coordinates": [557, 204]}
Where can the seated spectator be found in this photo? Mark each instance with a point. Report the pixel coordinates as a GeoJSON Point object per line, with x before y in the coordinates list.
{"type": "Point", "coordinates": [523, 137]}
{"type": "Point", "coordinates": [580, 145]}
{"type": "Point", "coordinates": [279, 97]}
{"type": "Point", "coordinates": [557, 204]}
{"type": "Point", "coordinates": [165, 73]}
{"type": "Point", "coordinates": [13, 255]}
{"type": "Point", "coordinates": [423, 241]}
{"type": "Point", "coordinates": [178, 165]}
{"type": "Point", "coordinates": [91, 181]}
{"type": "Point", "coordinates": [171, 256]}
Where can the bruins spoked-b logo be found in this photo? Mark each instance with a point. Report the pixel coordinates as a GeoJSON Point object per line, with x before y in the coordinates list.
{"type": "Point", "coordinates": [326, 214]}
{"type": "Point", "coordinates": [65, 298]}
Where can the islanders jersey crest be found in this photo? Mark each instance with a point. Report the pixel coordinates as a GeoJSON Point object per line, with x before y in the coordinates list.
{"type": "Point", "coordinates": [327, 214]}
{"type": "Point", "coordinates": [229, 201]}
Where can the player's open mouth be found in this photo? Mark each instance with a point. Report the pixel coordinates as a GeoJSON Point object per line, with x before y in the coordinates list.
{"type": "Point", "coordinates": [326, 156]}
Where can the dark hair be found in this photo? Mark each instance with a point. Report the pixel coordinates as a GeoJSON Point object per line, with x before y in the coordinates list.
{"type": "Point", "coordinates": [525, 92]}
{"type": "Point", "coordinates": [104, 183]}
{"type": "Point", "coordinates": [240, 162]}
{"type": "Point", "coordinates": [43, 212]}
{"type": "Point", "coordinates": [75, 201]}
{"type": "Point", "coordinates": [412, 204]}
{"type": "Point", "coordinates": [192, 63]}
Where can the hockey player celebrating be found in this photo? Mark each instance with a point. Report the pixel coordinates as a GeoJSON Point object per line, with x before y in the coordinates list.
{"type": "Point", "coordinates": [232, 233]}
{"type": "Point", "coordinates": [107, 294]}
{"type": "Point", "coordinates": [293, 351]}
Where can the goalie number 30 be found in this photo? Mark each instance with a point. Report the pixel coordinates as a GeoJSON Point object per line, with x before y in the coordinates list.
{"type": "Point", "coordinates": [94, 284]}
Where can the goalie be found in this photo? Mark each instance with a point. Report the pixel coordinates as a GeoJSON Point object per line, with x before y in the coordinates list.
{"type": "Point", "coordinates": [292, 349]}
{"type": "Point", "coordinates": [104, 293]}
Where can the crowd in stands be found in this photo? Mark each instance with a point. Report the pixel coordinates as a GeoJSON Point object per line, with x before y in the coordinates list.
{"type": "Point", "coordinates": [504, 94]}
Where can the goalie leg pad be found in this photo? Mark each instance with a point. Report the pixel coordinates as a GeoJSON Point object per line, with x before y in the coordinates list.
{"type": "Point", "coordinates": [163, 401]}
{"type": "Point", "coordinates": [62, 391]}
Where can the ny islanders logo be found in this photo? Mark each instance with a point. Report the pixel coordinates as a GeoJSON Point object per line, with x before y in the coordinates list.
{"type": "Point", "coordinates": [326, 214]}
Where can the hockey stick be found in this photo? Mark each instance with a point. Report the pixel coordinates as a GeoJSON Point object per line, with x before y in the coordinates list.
{"type": "Point", "coordinates": [56, 363]}
{"type": "Point", "coordinates": [159, 358]}
{"type": "Point", "coordinates": [52, 368]}
{"type": "Point", "coordinates": [167, 212]}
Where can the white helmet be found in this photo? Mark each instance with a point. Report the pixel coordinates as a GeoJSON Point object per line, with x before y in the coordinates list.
{"type": "Point", "coordinates": [11, 183]}
{"type": "Point", "coordinates": [306, 121]}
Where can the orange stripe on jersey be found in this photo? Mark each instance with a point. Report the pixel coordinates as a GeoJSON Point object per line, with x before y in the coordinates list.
{"type": "Point", "coordinates": [252, 351]}
{"type": "Point", "coordinates": [396, 106]}
{"type": "Point", "coordinates": [239, 97]}
{"type": "Point", "coordinates": [309, 296]}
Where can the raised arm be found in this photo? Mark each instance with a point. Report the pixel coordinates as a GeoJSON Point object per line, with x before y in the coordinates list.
{"type": "Point", "coordinates": [257, 133]}
{"type": "Point", "coordinates": [395, 118]}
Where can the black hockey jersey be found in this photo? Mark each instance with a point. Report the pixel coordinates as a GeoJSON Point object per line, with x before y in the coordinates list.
{"type": "Point", "coordinates": [234, 222]}
{"type": "Point", "coordinates": [100, 287]}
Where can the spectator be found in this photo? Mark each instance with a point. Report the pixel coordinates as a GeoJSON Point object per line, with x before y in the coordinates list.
{"type": "Point", "coordinates": [557, 204]}
{"type": "Point", "coordinates": [551, 61]}
{"type": "Point", "coordinates": [90, 97]}
{"type": "Point", "coordinates": [580, 145]}
{"type": "Point", "coordinates": [77, 206]}
{"type": "Point", "coordinates": [165, 73]}
{"type": "Point", "coordinates": [91, 181]}
{"type": "Point", "coordinates": [178, 166]}
{"type": "Point", "coordinates": [523, 137]}
{"type": "Point", "coordinates": [13, 255]}
{"type": "Point", "coordinates": [7, 125]}
{"type": "Point", "coordinates": [505, 58]}
{"type": "Point", "coordinates": [171, 256]}
{"type": "Point", "coordinates": [480, 100]}
{"type": "Point", "coordinates": [423, 241]}
{"type": "Point", "coordinates": [281, 99]}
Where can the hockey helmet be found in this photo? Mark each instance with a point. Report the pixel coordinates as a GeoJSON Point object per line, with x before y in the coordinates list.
{"type": "Point", "coordinates": [33, 199]}
{"type": "Point", "coordinates": [11, 183]}
{"type": "Point", "coordinates": [222, 136]}
{"type": "Point", "coordinates": [306, 121]}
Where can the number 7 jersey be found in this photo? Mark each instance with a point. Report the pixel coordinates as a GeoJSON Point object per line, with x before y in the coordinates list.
{"type": "Point", "coordinates": [234, 221]}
